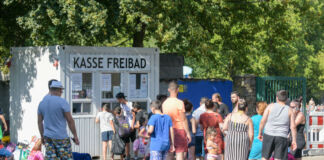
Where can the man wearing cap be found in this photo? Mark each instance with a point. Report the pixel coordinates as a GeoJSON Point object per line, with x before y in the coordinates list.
{"type": "Point", "coordinates": [53, 114]}
{"type": "Point", "coordinates": [129, 113]}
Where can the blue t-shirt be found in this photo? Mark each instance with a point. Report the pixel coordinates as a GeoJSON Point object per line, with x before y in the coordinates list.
{"type": "Point", "coordinates": [52, 108]}
{"type": "Point", "coordinates": [160, 140]}
{"type": "Point", "coordinates": [256, 150]}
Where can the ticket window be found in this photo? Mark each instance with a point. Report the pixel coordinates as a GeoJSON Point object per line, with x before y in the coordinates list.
{"type": "Point", "coordinates": [138, 89]}
{"type": "Point", "coordinates": [82, 93]}
{"type": "Point", "coordinates": [110, 86]}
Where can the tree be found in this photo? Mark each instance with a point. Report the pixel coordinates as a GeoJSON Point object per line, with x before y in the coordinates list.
{"type": "Point", "coordinates": [218, 38]}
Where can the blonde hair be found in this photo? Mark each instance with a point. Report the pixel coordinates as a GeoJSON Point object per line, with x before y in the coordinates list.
{"type": "Point", "coordinates": [210, 131]}
{"type": "Point", "coordinates": [261, 107]}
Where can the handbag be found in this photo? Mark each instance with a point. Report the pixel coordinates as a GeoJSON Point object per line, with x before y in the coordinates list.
{"type": "Point", "coordinates": [118, 145]}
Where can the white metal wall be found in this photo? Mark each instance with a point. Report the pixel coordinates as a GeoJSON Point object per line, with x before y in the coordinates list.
{"type": "Point", "coordinates": [32, 68]}
{"type": "Point", "coordinates": [30, 71]}
{"type": "Point", "coordinates": [89, 132]}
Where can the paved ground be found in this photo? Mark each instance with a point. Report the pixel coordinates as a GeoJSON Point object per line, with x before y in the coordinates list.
{"type": "Point", "coordinates": [313, 158]}
{"type": "Point", "coordinates": [304, 158]}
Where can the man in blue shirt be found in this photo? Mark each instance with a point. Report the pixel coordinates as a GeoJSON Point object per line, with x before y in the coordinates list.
{"type": "Point", "coordinates": [161, 131]}
{"type": "Point", "coordinates": [53, 113]}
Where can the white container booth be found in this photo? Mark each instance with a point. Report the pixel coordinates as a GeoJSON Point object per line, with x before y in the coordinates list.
{"type": "Point", "coordinates": [92, 76]}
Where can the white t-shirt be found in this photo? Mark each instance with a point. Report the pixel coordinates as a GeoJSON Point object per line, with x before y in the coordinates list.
{"type": "Point", "coordinates": [196, 114]}
{"type": "Point", "coordinates": [105, 118]}
{"type": "Point", "coordinates": [127, 109]}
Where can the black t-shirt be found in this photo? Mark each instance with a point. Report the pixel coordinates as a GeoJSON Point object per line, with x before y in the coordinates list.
{"type": "Point", "coordinates": [223, 110]}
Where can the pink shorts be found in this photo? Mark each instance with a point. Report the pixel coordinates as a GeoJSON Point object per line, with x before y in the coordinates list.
{"type": "Point", "coordinates": [180, 140]}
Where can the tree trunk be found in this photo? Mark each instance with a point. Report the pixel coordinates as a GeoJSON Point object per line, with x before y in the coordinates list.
{"type": "Point", "coordinates": [138, 39]}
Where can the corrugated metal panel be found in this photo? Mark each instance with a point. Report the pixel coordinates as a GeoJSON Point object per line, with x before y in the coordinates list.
{"type": "Point", "coordinates": [89, 136]}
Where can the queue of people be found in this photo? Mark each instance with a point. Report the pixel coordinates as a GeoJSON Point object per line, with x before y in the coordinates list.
{"type": "Point", "coordinates": [174, 130]}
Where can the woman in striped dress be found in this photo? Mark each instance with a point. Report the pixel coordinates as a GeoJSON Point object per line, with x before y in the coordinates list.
{"type": "Point", "coordinates": [239, 137]}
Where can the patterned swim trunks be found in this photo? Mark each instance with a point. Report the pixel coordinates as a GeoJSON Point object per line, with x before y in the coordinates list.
{"type": "Point", "coordinates": [58, 149]}
{"type": "Point", "coordinates": [156, 155]}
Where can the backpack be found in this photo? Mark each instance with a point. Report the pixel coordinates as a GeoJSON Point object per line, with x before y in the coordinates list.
{"type": "Point", "coordinates": [123, 126]}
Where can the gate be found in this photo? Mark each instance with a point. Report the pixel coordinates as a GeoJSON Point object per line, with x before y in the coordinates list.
{"type": "Point", "coordinates": [266, 88]}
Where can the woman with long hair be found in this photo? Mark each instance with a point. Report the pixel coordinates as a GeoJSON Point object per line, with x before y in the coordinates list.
{"type": "Point", "coordinates": [300, 121]}
{"type": "Point", "coordinates": [256, 150]}
{"type": "Point", "coordinates": [239, 137]}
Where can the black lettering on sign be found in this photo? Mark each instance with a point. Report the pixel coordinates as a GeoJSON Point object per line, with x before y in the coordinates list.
{"type": "Point", "coordinates": [83, 63]}
{"type": "Point", "coordinates": [100, 62]}
{"type": "Point", "coordinates": [121, 62]}
{"type": "Point", "coordinates": [75, 62]}
{"type": "Point", "coordinates": [136, 63]}
{"type": "Point", "coordinates": [94, 61]}
{"type": "Point", "coordinates": [143, 62]}
{"type": "Point", "coordinates": [109, 61]}
{"type": "Point", "coordinates": [116, 63]}
{"type": "Point", "coordinates": [130, 63]}
{"type": "Point", "coordinates": [89, 62]}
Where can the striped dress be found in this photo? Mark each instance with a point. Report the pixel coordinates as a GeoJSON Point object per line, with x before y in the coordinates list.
{"type": "Point", "coordinates": [237, 142]}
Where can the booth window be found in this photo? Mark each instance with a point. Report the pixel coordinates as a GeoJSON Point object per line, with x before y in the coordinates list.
{"type": "Point", "coordinates": [111, 106]}
{"type": "Point", "coordinates": [143, 105]}
{"type": "Point", "coordinates": [110, 85]}
{"type": "Point", "coordinates": [81, 93]}
{"type": "Point", "coordinates": [138, 85]}
{"type": "Point", "coordinates": [81, 85]}
{"type": "Point", "coordinates": [81, 108]}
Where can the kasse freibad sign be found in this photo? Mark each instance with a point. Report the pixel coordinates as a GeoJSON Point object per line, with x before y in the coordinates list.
{"type": "Point", "coordinates": [109, 62]}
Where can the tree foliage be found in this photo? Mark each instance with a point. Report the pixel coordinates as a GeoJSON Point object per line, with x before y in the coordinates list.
{"type": "Point", "coordinates": [219, 38]}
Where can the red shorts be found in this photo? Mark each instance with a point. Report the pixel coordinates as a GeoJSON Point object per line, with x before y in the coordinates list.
{"type": "Point", "coordinates": [180, 140]}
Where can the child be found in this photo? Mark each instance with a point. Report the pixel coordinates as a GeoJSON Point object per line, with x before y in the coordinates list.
{"type": "Point", "coordinates": [36, 153]}
{"type": "Point", "coordinates": [161, 132]}
{"type": "Point", "coordinates": [107, 129]}
{"type": "Point", "coordinates": [211, 146]}
{"type": "Point", "coordinates": [192, 129]}
{"type": "Point", "coordinates": [141, 143]}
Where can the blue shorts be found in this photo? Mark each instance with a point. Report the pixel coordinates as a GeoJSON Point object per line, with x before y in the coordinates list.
{"type": "Point", "coordinates": [107, 135]}
{"type": "Point", "coordinates": [193, 141]}
{"type": "Point", "coordinates": [199, 150]}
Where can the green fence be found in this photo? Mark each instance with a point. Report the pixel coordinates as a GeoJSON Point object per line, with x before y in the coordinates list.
{"type": "Point", "coordinates": [266, 88]}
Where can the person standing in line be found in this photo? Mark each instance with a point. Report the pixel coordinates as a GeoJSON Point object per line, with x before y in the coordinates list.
{"type": "Point", "coordinates": [128, 112]}
{"type": "Point", "coordinates": [223, 108]}
{"type": "Point", "coordinates": [211, 146]}
{"type": "Point", "coordinates": [174, 107]}
{"type": "Point", "coordinates": [53, 113]}
{"type": "Point", "coordinates": [3, 120]}
{"type": "Point", "coordinates": [199, 138]}
{"type": "Point", "coordinates": [256, 150]}
{"type": "Point", "coordinates": [215, 120]}
{"type": "Point", "coordinates": [139, 113]}
{"type": "Point", "coordinates": [234, 98]}
{"type": "Point", "coordinates": [276, 121]}
{"type": "Point", "coordinates": [107, 129]}
{"type": "Point", "coordinates": [239, 138]}
{"type": "Point", "coordinates": [300, 122]}
{"type": "Point", "coordinates": [192, 129]}
{"type": "Point", "coordinates": [161, 132]}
